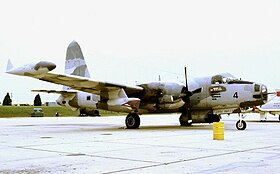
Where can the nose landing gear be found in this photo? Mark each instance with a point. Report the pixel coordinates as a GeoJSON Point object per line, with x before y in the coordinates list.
{"type": "Point", "coordinates": [241, 124]}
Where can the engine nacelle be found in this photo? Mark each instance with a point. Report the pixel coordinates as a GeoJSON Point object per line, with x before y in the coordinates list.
{"type": "Point", "coordinates": [173, 105]}
{"type": "Point", "coordinates": [166, 99]}
{"type": "Point", "coordinates": [161, 92]}
{"type": "Point", "coordinates": [120, 105]}
{"type": "Point", "coordinates": [162, 106]}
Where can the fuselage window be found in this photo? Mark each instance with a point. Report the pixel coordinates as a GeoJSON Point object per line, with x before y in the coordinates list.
{"type": "Point", "coordinates": [88, 97]}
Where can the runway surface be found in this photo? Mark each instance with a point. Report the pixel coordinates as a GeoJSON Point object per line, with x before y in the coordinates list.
{"type": "Point", "coordinates": [103, 145]}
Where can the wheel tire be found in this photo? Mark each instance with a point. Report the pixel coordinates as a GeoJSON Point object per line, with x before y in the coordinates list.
{"type": "Point", "coordinates": [241, 125]}
{"type": "Point", "coordinates": [132, 121]}
{"type": "Point", "coordinates": [184, 123]}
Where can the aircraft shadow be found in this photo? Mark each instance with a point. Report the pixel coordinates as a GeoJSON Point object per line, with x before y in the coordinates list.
{"type": "Point", "coordinates": [267, 121]}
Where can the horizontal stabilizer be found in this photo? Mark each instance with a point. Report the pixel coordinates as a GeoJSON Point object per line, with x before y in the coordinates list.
{"type": "Point", "coordinates": [55, 91]}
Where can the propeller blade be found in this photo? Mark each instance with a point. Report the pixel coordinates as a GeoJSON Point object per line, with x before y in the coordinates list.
{"type": "Point", "coordinates": [186, 99]}
{"type": "Point", "coordinates": [186, 79]}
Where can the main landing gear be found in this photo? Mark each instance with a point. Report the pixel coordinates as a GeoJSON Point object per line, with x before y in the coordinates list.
{"type": "Point", "coordinates": [132, 121]}
{"type": "Point", "coordinates": [241, 124]}
{"type": "Point", "coordinates": [185, 120]}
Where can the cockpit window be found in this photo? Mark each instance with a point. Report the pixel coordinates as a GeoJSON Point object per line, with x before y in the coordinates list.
{"type": "Point", "coordinates": [219, 79]}
{"type": "Point", "coordinates": [227, 78]}
{"type": "Point", "coordinates": [257, 88]}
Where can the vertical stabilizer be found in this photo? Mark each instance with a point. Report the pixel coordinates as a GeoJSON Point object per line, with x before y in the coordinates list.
{"type": "Point", "coordinates": [75, 63]}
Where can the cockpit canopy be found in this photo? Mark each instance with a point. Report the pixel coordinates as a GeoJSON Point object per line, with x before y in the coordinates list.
{"type": "Point", "coordinates": [223, 78]}
{"type": "Point", "coordinates": [227, 78]}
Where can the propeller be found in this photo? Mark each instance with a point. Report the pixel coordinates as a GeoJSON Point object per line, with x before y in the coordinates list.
{"type": "Point", "coordinates": [186, 99]}
{"type": "Point", "coordinates": [185, 93]}
{"type": "Point", "coordinates": [186, 117]}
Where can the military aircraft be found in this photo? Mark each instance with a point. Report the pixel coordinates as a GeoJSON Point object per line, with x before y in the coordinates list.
{"type": "Point", "coordinates": [202, 100]}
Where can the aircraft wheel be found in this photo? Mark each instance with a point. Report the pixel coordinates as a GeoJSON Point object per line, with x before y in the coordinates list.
{"type": "Point", "coordinates": [241, 125]}
{"type": "Point", "coordinates": [132, 121]}
{"type": "Point", "coordinates": [183, 122]}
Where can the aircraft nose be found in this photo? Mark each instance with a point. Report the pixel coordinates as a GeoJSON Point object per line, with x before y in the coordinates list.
{"type": "Point", "coordinates": [260, 93]}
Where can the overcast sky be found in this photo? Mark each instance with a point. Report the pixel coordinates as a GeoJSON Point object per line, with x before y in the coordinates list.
{"type": "Point", "coordinates": [129, 41]}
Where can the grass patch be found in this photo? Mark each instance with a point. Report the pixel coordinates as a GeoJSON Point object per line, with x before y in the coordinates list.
{"type": "Point", "coordinates": [49, 111]}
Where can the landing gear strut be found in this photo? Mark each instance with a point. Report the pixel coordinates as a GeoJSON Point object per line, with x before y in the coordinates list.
{"type": "Point", "coordinates": [241, 124]}
{"type": "Point", "coordinates": [216, 118]}
{"type": "Point", "coordinates": [132, 121]}
{"type": "Point", "coordinates": [213, 118]}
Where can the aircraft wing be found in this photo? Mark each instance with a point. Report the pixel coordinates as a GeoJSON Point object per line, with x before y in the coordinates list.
{"type": "Point", "coordinates": [85, 84]}
{"type": "Point", "coordinates": [41, 71]}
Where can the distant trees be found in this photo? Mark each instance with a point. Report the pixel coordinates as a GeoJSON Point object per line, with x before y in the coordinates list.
{"type": "Point", "coordinates": [7, 100]}
{"type": "Point", "coordinates": [37, 100]}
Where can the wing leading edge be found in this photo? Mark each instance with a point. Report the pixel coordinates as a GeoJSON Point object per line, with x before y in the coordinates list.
{"type": "Point", "coordinates": [86, 84]}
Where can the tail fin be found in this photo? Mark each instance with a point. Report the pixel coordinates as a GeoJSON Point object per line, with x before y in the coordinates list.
{"type": "Point", "coordinates": [75, 63]}
{"type": "Point", "coordinates": [9, 65]}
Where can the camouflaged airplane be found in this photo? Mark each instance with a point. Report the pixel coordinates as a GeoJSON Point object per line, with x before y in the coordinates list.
{"type": "Point", "coordinates": [202, 100]}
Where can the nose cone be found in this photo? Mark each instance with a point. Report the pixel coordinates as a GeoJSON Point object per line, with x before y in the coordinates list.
{"type": "Point", "coordinates": [261, 93]}
{"type": "Point", "coordinates": [259, 96]}
{"type": "Point", "coordinates": [45, 64]}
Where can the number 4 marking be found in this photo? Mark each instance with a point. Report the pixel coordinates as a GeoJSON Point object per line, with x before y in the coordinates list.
{"type": "Point", "coordinates": [235, 95]}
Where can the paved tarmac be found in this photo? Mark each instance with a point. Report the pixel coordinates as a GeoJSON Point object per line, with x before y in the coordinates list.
{"type": "Point", "coordinates": [103, 145]}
